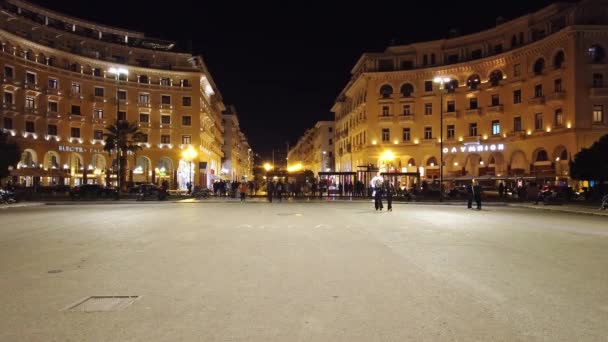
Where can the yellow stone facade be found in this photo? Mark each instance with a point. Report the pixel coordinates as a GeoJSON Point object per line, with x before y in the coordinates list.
{"type": "Point", "coordinates": [530, 94]}
{"type": "Point", "coordinates": [58, 95]}
{"type": "Point", "coordinates": [315, 149]}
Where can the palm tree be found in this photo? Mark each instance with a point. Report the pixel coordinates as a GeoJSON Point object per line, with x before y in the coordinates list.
{"type": "Point", "coordinates": [122, 137]}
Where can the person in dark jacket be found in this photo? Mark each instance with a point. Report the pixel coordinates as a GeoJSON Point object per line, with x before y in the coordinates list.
{"type": "Point", "coordinates": [377, 184]}
{"type": "Point", "coordinates": [470, 195]}
{"type": "Point", "coordinates": [477, 194]}
{"type": "Point", "coordinates": [390, 191]}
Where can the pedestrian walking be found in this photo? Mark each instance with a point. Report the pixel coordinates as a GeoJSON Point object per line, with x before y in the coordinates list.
{"type": "Point", "coordinates": [279, 189]}
{"type": "Point", "coordinates": [604, 204]}
{"type": "Point", "coordinates": [501, 190]}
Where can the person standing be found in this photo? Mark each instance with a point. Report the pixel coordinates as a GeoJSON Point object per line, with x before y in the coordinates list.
{"type": "Point", "coordinates": [477, 194]}
{"type": "Point", "coordinates": [243, 191]}
{"type": "Point", "coordinates": [470, 195]}
{"type": "Point", "coordinates": [501, 190]}
{"type": "Point", "coordinates": [269, 190]}
{"type": "Point", "coordinates": [376, 184]}
{"type": "Point", "coordinates": [390, 191]}
{"type": "Point", "coordinates": [279, 189]}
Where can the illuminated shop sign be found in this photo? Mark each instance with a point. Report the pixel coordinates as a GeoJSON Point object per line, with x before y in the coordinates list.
{"type": "Point", "coordinates": [475, 148]}
{"type": "Point", "coordinates": [80, 149]}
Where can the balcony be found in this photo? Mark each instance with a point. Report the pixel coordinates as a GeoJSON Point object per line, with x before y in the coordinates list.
{"type": "Point", "coordinates": [537, 101]}
{"type": "Point", "coordinates": [384, 118]}
{"type": "Point", "coordinates": [406, 118]}
{"type": "Point", "coordinates": [7, 107]}
{"type": "Point", "coordinates": [495, 110]}
{"type": "Point", "coordinates": [144, 104]}
{"type": "Point", "coordinates": [75, 117]}
{"type": "Point", "coordinates": [101, 121]}
{"type": "Point", "coordinates": [75, 95]}
{"type": "Point", "coordinates": [9, 80]}
{"type": "Point", "coordinates": [472, 113]}
{"type": "Point", "coordinates": [598, 92]}
{"type": "Point", "coordinates": [471, 138]}
{"type": "Point", "coordinates": [556, 98]}
{"type": "Point", "coordinates": [52, 115]}
{"type": "Point", "coordinates": [386, 98]}
{"type": "Point", "coordinates": [166, 106]}
{"type": "Point", "coordinates": [450, 115]}
{"type": "Point", "coordinates": [98, 99]}
{"type": "Point", "coordinates": [30, 111]}
{"type": "Point", "coordinates": [31, 86]}
{"type": "Point", "coordinates": [52, 91]}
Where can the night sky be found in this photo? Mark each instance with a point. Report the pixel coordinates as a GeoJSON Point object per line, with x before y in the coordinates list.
{"type": "Point", "coordinates": [282, 64]}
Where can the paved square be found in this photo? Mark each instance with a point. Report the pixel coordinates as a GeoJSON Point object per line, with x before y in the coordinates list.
{"type": "Point", "coordinates": [319, 271]}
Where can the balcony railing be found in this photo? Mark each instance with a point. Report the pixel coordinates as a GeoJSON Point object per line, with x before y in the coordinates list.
{"type": "Point", "coordinates": [144, 104]}
{"type": "Point", "coordinates": [385, 118]}
{"type": "Point", "coordinates": [9, 106]}
{"type": "Point", "coordinates": [450, 115]}
{"type": "Point", "coordinates": [475, 112]}
{"type": "Point", "coordinates": [598, 92]}
{"type": "Point", "coordinates": [537, 101]}
{"type": "Point", "coordinates": [53, 91]}
{"type": "Point", "coordinates": [498, 109]}
{"type": "Point", "coordinates": [406, 118]}
{"type": "Point", "coordinates": [556, 97]}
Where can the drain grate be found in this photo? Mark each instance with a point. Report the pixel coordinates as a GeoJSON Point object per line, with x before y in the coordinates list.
{"type": "Point", "coordinates": [103, 303]}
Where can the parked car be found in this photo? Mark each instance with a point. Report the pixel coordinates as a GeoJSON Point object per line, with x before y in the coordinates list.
{"type": "Point", "coordinates": [92, 191]}
{"type": "Point", "coordinates": [146, 191]}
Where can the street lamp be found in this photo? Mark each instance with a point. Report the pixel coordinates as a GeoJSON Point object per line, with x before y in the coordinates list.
{"type": "Point", "coordinates": [118, 72]}
{"type": "Point", "coordinates": [442, 81]}
{"type": "Point", "coordinates": [323, 161]}
{"type": "Point", "coordinates": [189, 154]}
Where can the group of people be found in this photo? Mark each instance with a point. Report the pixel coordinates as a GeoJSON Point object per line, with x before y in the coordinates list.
{"type": "Point", "coordinates": [382, 188]}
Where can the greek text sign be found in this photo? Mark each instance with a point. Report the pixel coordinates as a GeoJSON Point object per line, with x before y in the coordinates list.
{"type": "Point", "coordinates": [80, 149]}
{"type": "Point", "coordinates": [474, 148]}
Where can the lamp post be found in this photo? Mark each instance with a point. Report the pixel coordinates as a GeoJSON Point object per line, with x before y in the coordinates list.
{"type": "Point", "coordinates": [189, 155]}
{"type": "Point", "coordinates": [118, 72]}
{"type": "Point", "coordinates": [442, 81]}
{"type": "Point", "coordinates": [323, 162]}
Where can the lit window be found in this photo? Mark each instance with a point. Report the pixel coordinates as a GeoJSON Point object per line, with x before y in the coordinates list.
{"type": "Point", "coordinates": [598, 114]}
{"type": "Point", "coordinates": [495, 127]}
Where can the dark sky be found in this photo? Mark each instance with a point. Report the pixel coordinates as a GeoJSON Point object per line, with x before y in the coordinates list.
{"type": "Point", "coordinates": [282, 64]}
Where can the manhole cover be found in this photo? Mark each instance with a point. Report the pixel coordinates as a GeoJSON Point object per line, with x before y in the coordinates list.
{"type": "Point", "coordinates": [103, 303]}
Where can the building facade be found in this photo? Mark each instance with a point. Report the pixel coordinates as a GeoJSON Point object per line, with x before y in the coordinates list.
{"type": "Point", "coordinates": [315, 149]}
{"type": "Point", "coordinates": [60, 90]}
{"type": "Point", "coordinates": [238, 156]}
{"type": "Point", "coordinates": [520, 99]}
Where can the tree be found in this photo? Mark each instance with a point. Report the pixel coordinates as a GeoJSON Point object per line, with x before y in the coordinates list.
{"type": "Point", "coordinates": [592, 163]}
{"type": "Point", "coordinates": [10, 154]}
{"type": "Point", "coordinates": [122, 138]}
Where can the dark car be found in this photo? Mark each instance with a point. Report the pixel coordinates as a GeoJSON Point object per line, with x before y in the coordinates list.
{"type": "Point", "coordinates": [145, 191]}
{"type": "Point", "coordinates": [92, 191]}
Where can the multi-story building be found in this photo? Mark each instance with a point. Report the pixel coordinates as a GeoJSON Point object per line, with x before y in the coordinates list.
{"type": "Point", "coordinates": [521, 98]}
{"type": "Point", "coordinates": [237, 163]}
{"type": "Point", "coordinates": [315, 149]}
{"type": "Point", "coordinates": [59, 94]}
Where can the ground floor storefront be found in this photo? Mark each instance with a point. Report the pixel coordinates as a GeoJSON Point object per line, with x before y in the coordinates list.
{"type": "Point", "coordinates": [50, 164]}
{"type": "Point", "coordinates": [543, 157]}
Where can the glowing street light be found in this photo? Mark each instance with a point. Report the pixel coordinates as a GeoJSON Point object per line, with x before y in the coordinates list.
{"type": "Point", "coordinates": [118, 72]}
{"type": "Point", "coordinates": [189, 155]}
{"type": "Point", "coordinates": [268, 167]}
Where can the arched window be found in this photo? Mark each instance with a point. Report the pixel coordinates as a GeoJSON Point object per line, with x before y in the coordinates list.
{"type": "Point", "coordinates": [386, 91]}
{"type": "Point", "coordinates": [559, 59]}
{"type": "Point", "coordinates": [51, 61]}
{"type": "Point", "coordinates": [407, 89]}
{"type": "Point", "coordinates": [495, 78]}
{"type": "Point", "coordinates": [431, 162]}
{"type": "Point", "coordinates": [473, 81]}
{"type": "Point", "coordinates": [411, 162]}
{"type": "Point", "coordinates": [492, 160]}
{"type": "Point", "coordinates": [563, 155]}
{"type": "Point", "coordinates": [542, 156]}
{"type": "Point", "coordinates": [452, 86]}
{"type": "Point", "coordinates": [539, 66]}
{"type": "Point", "coordinates": [596, 54]}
